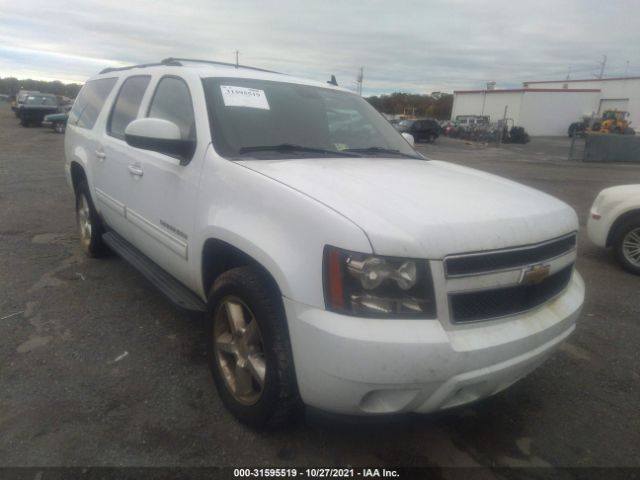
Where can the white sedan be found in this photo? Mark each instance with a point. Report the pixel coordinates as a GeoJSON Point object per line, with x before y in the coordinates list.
{"type": "Point", "coordinates": [614, 221]}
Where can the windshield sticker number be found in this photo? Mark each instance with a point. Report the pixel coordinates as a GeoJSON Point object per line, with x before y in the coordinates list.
{"type": "Point", "coordinates": [244, 97]}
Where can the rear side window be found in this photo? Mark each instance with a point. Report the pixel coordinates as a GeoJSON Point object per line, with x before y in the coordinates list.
{"type": "Point", "coordinates": [126, 106]}
{"type": "Point", "coordinates": [90, 100]}
{"type": "Point", "coordinates": [172, 101]}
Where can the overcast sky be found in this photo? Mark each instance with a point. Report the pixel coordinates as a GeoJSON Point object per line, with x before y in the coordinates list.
{"type": "Point", "coordinates": [415, 46]}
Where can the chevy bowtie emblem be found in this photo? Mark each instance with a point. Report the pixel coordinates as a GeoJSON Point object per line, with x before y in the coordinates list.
{"type": "Point", "coordinates": [535, 274]}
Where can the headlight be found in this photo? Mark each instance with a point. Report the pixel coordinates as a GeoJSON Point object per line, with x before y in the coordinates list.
{"type": "Point", "coordinates": [375, 286]}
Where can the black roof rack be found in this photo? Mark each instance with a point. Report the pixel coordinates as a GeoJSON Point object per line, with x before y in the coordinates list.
{"type": "Point", "coordinates": [173, 61]}
{"type": "Point", "coordinates": [177, 62]}
{"type": "Point", "coordinates": [143, 65]}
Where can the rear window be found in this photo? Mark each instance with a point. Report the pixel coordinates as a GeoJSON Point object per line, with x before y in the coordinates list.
{"type": "Point", "coordinates": [90, 101]}
{"type": "Point", "coordinates": [49, 100]}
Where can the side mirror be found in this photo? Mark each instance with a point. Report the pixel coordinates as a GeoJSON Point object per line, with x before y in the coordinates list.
{"type": "Point", "coordinates": [159, 135]}
{"type": "Point", "coordinates": [409, 138]}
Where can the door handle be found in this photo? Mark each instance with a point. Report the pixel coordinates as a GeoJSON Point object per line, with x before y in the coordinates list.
{"type": "Point", "coordinates": [100, 155]}
{"type": "Point", "coordinates": [135, 169]}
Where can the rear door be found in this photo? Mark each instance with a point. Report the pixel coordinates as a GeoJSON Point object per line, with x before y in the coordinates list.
{"type": "Point", "coordinates": [418, 130]}
{"type": "Point", "coordinates": [114, 156]}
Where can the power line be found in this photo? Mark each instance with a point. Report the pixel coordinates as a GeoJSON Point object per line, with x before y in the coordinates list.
{"type": "Point", "coordinates": [602, 65]}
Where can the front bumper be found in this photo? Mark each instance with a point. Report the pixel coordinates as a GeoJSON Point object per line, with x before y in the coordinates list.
{"type": "Point", "coordinates": [363, 366]}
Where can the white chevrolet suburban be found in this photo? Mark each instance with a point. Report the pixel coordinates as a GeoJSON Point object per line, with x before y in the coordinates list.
{"type": "Point", "coordinates": [338, 268]}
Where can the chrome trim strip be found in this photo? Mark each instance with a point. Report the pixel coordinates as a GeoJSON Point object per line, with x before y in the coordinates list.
{"type": "Point", "coordinates": [507, 250]}
{"type": "Point", "coordinates": [111, 202]}
{"type": "Point", "coordinates": [504, 278]}
{"type": "Point", "coordinates": [172, 243]}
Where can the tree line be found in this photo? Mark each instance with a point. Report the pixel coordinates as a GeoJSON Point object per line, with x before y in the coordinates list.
{"type": "Point", "coordinates": [11, 86]}
{"type": "Point", "coordinates": [437, 104]}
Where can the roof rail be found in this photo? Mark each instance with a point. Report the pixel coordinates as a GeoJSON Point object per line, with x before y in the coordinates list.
{"type": "Point", "coordinates": [166, 62]}
{"type": "Point", "coordinates": [177, 62]}
{"type": "Point", "coordinates": [173, 61]}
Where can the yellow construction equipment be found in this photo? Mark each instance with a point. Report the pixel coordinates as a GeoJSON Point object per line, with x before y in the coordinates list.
{"type": "Point", "coordinates": [615, 121]}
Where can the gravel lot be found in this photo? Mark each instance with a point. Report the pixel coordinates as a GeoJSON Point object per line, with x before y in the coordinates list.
{"type": "Point", "coordinates": [97, 368]}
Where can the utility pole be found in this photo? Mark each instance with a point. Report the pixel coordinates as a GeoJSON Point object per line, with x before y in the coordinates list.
{"type": "Point", "coordinates": [237, 53]}
{"type": "Point", "coordinates": [359, 79]}
{"type": "Point", "coordinates": [626, 69]}
{"type": "Point", "coordinates": [602, 65]}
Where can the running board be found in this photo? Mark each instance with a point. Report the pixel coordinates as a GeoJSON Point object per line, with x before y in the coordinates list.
{"type": "Point", "coordinates": [172, 288]}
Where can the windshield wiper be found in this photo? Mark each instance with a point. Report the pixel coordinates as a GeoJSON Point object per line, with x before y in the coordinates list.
{"type": "Point", "coordinates": [380, 150]}
{"type": "Point", "coordinates": [288, 147]}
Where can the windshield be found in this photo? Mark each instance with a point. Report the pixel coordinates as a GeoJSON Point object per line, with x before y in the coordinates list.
{"type": "Point", "coordinates": [267, 119]}
{"type": "Point", "coordinates": [41, 100]}
{"type": "Point", "coordinates": [406, 123]}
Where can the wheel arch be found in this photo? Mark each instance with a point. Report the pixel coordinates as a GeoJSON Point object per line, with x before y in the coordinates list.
{"type": "Point", "coordinates": [219, 256]}
{"type": "Point", "coordinates": [77, 174]}
{"type": "Point", "coordinates": [621, 220]}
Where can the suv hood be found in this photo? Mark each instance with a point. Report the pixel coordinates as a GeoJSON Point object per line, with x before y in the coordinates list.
{"type": "Point", "coordinates": [426, 209]}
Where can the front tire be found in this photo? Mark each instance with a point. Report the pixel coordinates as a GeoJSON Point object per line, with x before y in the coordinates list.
{"type": "Point", "coordinates": [89, 224]}
{"type": "Point", "coordinates": [627, 246]}
{"type": "Point", "coordinates": [249, 349]}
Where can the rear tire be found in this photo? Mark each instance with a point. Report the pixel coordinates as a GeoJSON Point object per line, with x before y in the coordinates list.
{"type": "Point", "coordinates": [89, 224]}
{"type": "Point", "coordinates": [249, 350]}
{"type": "Point", "coordinates": [626, 244]}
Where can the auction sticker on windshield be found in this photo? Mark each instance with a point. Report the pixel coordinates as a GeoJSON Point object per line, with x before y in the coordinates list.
{"type": "Point", "coordinates": [244, 97]}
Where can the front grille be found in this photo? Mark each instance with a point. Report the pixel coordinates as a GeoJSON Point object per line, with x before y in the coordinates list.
{"type": "Point", "coordinates": [473, 264]}
{"type": "Point", "coordinates": [502, 302]}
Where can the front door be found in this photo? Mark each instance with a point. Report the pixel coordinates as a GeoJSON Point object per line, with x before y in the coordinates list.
{"type": "Point", "coordinates": [162, 202]}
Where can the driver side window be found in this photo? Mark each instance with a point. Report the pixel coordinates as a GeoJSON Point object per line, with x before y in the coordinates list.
{"type": "Point", "coordinates": [172, 101]}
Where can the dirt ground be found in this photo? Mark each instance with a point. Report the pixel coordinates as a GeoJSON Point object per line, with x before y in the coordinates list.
{"type": "Point", "coordinates": [98, 369]}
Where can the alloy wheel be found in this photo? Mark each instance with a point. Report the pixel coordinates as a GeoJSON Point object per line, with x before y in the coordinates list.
{"type": "Point", "coordinates": [631, 247]}
{"type": "Point", "coordinates": [84, 221]}
{"type": "Point", "coordinates": [239, 350]}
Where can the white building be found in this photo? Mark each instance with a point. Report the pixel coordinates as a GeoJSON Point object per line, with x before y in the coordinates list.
{"type": "Point", "coordinates": [549, 107]}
